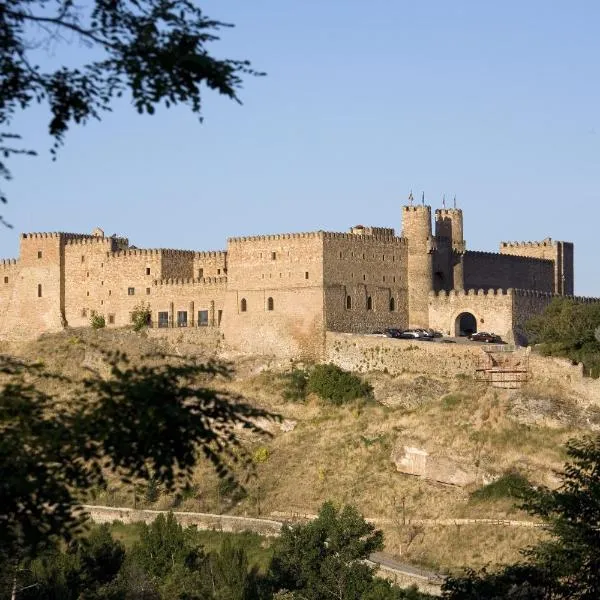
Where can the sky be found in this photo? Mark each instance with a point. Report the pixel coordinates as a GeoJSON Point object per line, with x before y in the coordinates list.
{"type": "Point", "coordinates": [495, 102]}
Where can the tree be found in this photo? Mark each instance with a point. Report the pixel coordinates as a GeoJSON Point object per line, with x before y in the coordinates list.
{"type": "Point", "coordinates": [156, 50]}
{"type": "Point", "coordinates": [568, 564]}
{"type": "Point", "coordinates": [325, 558]}
{"type": "Point", "coordinates": [570, 329]}
{"type": "Point", "coordinates": [141, 421]}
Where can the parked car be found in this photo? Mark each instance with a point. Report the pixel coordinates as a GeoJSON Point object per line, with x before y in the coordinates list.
{"type": "Point", "coordinates": [392, 332]}
{"type": "Point", "coordinates": [410, 334]}
{"type": "Point", "coordinates": [484, 336]}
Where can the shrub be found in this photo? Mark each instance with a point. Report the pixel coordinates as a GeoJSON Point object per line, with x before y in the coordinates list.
{"type": "Point", "coordinates": [141, 316]}
{"type": "Point", "coordinates": [97, 321]}
{"type": "Point", "coordinates": [152, 492]}
{"type": "Point", "coordinates": [261, 455]}
{"type": "Point", "coordinates": [337, 386]}
{"type": "Point", "coordinates": [511, 485]}
{"type": "Point", "coordinates": [296, 385]}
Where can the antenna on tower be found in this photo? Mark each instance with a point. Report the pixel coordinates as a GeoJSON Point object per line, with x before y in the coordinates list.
{"type": "Point", "coordinates": [410, 198]}
{"type": "Point", "coordinates": [444, 201]}
{"type": "Point", "coordinates": [423, 198]}
{"type": "Point", "coordinates": [455, 201]}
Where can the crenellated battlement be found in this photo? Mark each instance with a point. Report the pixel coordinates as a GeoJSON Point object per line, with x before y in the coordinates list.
{"type": "Point", "coordinates": [211, 254]}
{"type": "Point", "coordinates": [536, 294]}
{"type": "Point", "coordinates": [56, 235]}
{"type": "Point", "coordinates": [417, 208]}
{"type": "Point", "coordinates": [8, 263]}
{"type": "Point", "coordinates": [192, 281]}
{"type": "Point", "coordinates": [548, 242]}
{"type": "Point", "coordinates": [92, 239]}
{"type": "Point", "coordinates": [150, 252]}
{"type": "Point", "coordinates": [506, 256]}
{"type": "Point", "coordinates": [471, 293]}
{"type": "Point", "coordinates": [316, 235]}
{"type": "Point", "coordinates": [447, 212]}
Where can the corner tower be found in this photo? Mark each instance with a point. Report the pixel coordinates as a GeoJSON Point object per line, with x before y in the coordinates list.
{"type": "Point", "coordinates": [449, 227]}
{"type": "Point", "coordinates": [416, 228]}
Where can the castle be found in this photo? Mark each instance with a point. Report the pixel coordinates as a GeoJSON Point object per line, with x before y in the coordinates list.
{"type": "Point", "coordinates": [279, 294]}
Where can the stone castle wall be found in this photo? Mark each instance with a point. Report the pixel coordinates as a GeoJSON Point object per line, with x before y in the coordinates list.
{"type": "Point", "coordinates": [362, 267]}
{"type": "Point", "coordinates": [485, 270]}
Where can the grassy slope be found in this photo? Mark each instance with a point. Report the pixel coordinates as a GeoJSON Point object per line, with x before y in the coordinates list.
{"type": "Point", "coordinates": [343, 454]}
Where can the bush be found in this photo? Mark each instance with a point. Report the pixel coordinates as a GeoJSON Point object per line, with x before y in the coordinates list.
{"type": "Point", "coordinates": [141, 316]}
{"type": "Point", "coordinates": [511, 485]}
{"type": "Point", "coordinates": [97, 321]}
{"type": "Point", "coordinates": [296, 385]}
{"type": "Point", "coordinates": [337, 386]}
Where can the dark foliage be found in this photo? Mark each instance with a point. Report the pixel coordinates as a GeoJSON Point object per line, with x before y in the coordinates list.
{"type": "Point", "coordinates": [568, 564]}
{"type": "Point", "coordinates": [569, 329]}
{"type": "Point", "coordinates": [141, 422]}
{"type": "Point", "coordinates": [337, 386]}
{"type": "Point", "coordinates": [155, 50]}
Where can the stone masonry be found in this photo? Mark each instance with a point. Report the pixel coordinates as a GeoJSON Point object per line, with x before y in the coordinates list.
{"type": "Point", "coordinates": [280, 294]}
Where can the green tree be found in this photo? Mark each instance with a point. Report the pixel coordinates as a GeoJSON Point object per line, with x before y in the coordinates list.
{"type": "Point", "coordinates": [325, 558]}
{"type": "Point", "coordinates": [154, 50]}
{"type": "Point", "coordinates": [567, 565]}
{"type": "Point", "coordinates": [569, 328]}
{"type": "Point", "coordinates": [333, 384]}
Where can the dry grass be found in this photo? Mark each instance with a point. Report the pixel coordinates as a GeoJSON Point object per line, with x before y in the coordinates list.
{"type": "Point", "coordinates": [343, 454]}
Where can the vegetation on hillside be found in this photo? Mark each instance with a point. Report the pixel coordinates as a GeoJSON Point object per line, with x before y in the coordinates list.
{"type": "Point", "coordinates": [150, 421]}
{"type": "Point", "coordinates": [570, 329]}
{"type": "Point", "coordinates": [320, 560]}
{"type": "Point", "coordinates": [565, 566]}
{"type": "Point", "coordinates": [329, 382]}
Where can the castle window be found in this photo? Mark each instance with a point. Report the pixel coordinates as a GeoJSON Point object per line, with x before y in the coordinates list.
{"type": "Point", "coordinates": [392, 305]}
{"type": "Point", "coordinates": [147, 270]}
{"type": "Point", "coordinates": [101, 302]}
{"type": "Point", "coordinates": [218, 271]}
{"type": "Point", "coordinates": [394, 279]}
{"type": "Point", "coordinates": [369, 303]}
{"type": "Point", "coordinates": [102, 283]}
{"type": "Point", "coordinates": [383, 257]}
{"type": "Point", "coordinates": [84, 312]}
{"type": "Point", "coordinates": [87, 274]}
{"type": "Point", "coordinates": [364, 277]}
{"type": "Point", "coordinates": [87, 293]}
{"type": "Point", "coordinates": [111, 319]}
{"type": "Point", "coordinates": [200, 273]}
{"type": "Point", "coordinates": [6, 280]}
{"type": "Point", "coordinates": [182, 318]}
{"type": "Point", "coordinates": [384, 277]}
{"type": "Point", "coordinates": [348, 302]}
{"type": "Point", "coordinates": [273, 255]}
{"type": "Point", "coordinates": [363, 256]}
{"type": "Point", "coordinates": [39, 254]}
{"type": "Point", "coordinates": [109, 292]}
{"type": "Point", "coordinates": [202, 318]}
{"type": "Point", "coordinates": [243, 305]}
{"type": "Point", "coordinates": [163, 319]}
{"type": "Point", "coordinates": [393, 257]}
{"type": "Point", "coordinates": [305, 274]}
{"type": "Point", "coordinates": [82, 258]}
{"type": "Point", "coordinates": [219, 317]}
{"type": "Point", "coordinates": [131, 291]}
{"type": "Point", "coordinates": [340, 255]}
{"type": "Point", "coordinates": [270, 304]}
{"type": "Point", "coordinates": [147, 291]}
{"type": "Point", "coordinates": [39, 290]}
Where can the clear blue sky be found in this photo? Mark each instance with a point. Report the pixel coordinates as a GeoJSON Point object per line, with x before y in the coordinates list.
{"type": "Point", "coordinates": [496, 102]}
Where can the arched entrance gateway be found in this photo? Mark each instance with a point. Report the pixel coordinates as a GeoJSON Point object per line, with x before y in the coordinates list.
{"type": "Point", "coordinates": [466, 324]}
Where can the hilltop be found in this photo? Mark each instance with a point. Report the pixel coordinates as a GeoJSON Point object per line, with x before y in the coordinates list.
{"type": "Point", "coordinates": [481, 443]}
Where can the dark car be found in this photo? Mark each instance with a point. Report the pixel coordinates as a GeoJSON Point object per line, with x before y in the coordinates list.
{"type": "Point", "coordinates": [488, 338]}
{"type": "Point", "coordinates": [392, 332]}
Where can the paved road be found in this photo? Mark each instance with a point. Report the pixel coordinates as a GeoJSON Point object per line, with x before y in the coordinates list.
{"type": "Point", "coordinates": [388, 562]}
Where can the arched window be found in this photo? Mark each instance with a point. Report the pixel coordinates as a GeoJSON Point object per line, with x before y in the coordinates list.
{"type": "Point", "coordinates": [348, 302]}
{"type": "Point", "coordinates": [243, 305]}
{"type": "Point", "coordinates": [392, 304]}
{"type": "Point", "coordinates": [270, 304]}
{"type": "Point", "coordinates": [369, 303]}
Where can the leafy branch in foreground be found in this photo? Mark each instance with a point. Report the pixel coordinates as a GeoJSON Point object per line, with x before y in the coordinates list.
{"type": "Point", "coordinates": [142, 421]}
{"type": "Point", "coordinates": [154, 49]}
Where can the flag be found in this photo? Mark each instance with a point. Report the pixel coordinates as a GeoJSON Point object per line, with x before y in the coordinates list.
{"type": "Point", "coordinates": [455, 201]}
{"type": "Point", "coordinates": [410, 197]}
{"type": "Point", "coordinates": [423, 198]}
{"type": "Point", "coordinates": [444, 201]}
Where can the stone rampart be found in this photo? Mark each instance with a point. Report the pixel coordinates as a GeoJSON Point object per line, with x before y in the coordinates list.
{"type": "Point", "coordinates": [364, 353]}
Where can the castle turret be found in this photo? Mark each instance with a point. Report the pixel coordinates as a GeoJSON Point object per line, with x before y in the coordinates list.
{"type": "Point", "coordinates": [449, 226]}
{"type": "Point", "coordinates": [416, 228]}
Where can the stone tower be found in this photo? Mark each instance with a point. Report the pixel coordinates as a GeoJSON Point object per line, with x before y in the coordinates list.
{"type": "Point", "coordinates": [449, 232]}
{"type": "Point", "coordinates": [416, 228]}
